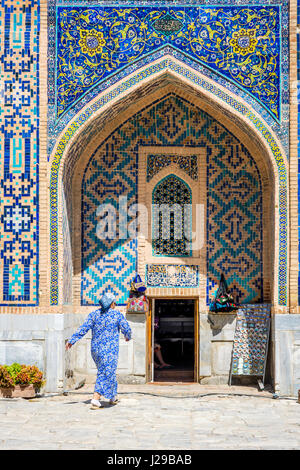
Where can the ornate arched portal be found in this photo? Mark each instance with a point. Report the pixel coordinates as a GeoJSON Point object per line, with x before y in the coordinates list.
{"type": "Point", "coordinates": [96, 122]}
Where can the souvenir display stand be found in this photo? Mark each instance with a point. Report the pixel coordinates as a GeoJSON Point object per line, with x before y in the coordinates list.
{"type": "Point", "coordinates": [250, 345]}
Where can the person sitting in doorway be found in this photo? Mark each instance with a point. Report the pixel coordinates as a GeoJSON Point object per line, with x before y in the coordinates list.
{"type": "Point", "coordinates": [162, 364]}
{"type": "Point", "coordinates": [157, 350]}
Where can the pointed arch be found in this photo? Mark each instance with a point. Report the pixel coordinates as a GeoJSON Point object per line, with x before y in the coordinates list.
{"type": "Point", "coordinates": [166, 74]}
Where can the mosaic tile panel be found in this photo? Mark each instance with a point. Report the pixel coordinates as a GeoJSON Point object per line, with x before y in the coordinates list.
{"type": "Point", "coordinates": [188, 164]}
{"type": "Point", "coordinates": [280, 128]}
{"type": "Point", "coordinates": [56, 127]}
{"type": "Point", "coordinates": [172, 275]}
{"type": "Point", "coordinates": [172, 228]}
{"type": "Point", "coordinates": [107, 265]}
{"type": "Point", "coordinates": [251, 338]}
{"type": "Point", "coordinates": [298, 97]}
{"type": "Point", "coordinates": [19, 146]}
{"type": "Point", "coordinates": [67, 227]}
{"type": "Point", "coordinates": [234, 221]}
{"type": "Point", "coordinates": [94, 128]}
{"type": "Point", "coordinates": [234, 204]}
{"type": "Point", "coordinates": [241, 44]}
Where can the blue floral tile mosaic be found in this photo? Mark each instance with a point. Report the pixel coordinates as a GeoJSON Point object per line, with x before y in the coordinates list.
{"type": "Point", "coordinates": [91, 50]}
{"type": "Point", "coordinates": [172, 275]}
{"type": "Point", "coordinates": [241, 44]}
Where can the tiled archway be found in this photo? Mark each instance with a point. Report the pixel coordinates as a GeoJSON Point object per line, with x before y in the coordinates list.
{"type": "Point", "coordinates": [275, 161]}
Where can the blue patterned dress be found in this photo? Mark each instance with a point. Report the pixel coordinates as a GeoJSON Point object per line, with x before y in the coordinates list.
{"type": "Point", "coordinates": [105, 326]}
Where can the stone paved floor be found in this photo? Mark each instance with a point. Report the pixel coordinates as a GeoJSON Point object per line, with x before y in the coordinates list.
{"type": "Point", "coordinates": [153, 417]}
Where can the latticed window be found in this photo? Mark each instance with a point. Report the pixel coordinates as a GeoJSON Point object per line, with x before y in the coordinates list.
{"type": "Point", "coordinates": [172, 217]}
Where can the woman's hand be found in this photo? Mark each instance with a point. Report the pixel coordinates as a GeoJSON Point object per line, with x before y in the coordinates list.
{"type": "Point", "coordinates": [68, 345]}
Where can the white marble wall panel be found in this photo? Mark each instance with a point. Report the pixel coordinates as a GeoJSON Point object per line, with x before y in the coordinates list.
{"type": "Point", "coordinates": [286, 336]}
{"type": "Point", "coordinates": [22, 351]}
{"type": "Point", "coordinates": [40, 340]}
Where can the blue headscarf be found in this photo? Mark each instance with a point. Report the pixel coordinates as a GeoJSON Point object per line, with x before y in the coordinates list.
{"type": "Point", "coordinates": [106, 301]}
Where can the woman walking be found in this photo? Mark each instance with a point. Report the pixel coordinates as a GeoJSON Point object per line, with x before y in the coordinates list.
{"type": "Point", "coordinates": [105, 323]}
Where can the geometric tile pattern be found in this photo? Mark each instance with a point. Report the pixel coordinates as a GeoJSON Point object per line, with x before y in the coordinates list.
{"type": "Point", "coordinates": [94, 43]}
{"type": "Point", "coordinates": [234, 228]}
{"type": "Point", "coordinates": [298, 97]}
{"type": "Point", "coordinates": [108, 264]}
{"type": "Point", "coordinates": [172, 230]}
{"type": "Point", "coordinates": [67, 222]}
{"type": "Point", "coordinates": [170, 275]}
{"type": "Point", "coordinates": [19, 147]}
{"type": "Point", "coordinates": [234, 219]}
{"type": "Point", "coordinates": [222, 95]}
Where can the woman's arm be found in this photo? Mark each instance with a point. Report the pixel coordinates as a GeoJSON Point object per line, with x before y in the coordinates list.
{"type": "Point", "coordinates": [124, 327]}
{"type": "Point", "coordinates": [81, 331]}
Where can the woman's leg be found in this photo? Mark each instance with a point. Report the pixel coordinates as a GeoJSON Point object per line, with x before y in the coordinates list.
{"type": "Point", "coordinates": [159, 357]}
{"type": "Point", "coordinates": [97, 389]}
{"type": "Point", "coordinates": [95, 402]}
{"type": "Point", "coordinates": [106, 382]}
{"type": "Point", "coordinates": [98, 385]}
{"type": "Point", "coordinates": [96, 396]}
{"type": "Point", "coordinates": [156, 352]}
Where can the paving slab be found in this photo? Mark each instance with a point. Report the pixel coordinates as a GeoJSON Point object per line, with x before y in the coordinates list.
{"type": "Point", "coordinates": [153, 417]}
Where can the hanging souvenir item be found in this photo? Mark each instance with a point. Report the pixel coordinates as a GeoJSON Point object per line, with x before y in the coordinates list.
{"type": "Point", "coordinates": [137, 284]}
{"type": "Point", "coordinates": [137, 302]}
{"type": "Point", "coordinates": [251, 340]}
{"type": "Point", "coordinates": [223, 301]}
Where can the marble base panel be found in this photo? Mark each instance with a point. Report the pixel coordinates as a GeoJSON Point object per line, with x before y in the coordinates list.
{"type": "Point", "coordinates": [286, 348]}
{"type": "Point", "coordinates": [40, 340]}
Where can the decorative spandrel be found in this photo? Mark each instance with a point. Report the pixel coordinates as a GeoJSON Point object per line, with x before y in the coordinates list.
{"type": "Point", "coordinates": [240, 43]}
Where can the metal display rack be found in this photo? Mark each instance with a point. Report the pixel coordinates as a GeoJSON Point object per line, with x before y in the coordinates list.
{"type": "Point", "coordinates": [250, 345]}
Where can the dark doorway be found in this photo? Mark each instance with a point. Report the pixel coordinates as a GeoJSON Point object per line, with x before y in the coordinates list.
{"type": "Point", "coordinates": [174, 333]}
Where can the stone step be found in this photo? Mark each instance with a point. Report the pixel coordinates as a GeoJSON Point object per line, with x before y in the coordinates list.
{"type": "Point", "coordinates": [171, 375]}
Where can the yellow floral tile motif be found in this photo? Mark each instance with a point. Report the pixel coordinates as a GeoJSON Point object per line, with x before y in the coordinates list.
{"type": "Point", "coordinates": [244, 41]}
{"type": "Point", "coordinates": [91, 42]}
{"type": "Point", "coordinates": [241, 44]}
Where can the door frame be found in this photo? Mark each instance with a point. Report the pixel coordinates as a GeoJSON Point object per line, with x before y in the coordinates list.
{"type": "Point", "coordinates": [149, 335]}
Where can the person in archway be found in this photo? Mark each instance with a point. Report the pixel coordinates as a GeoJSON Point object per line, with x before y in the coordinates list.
{"type": "Point", "coordinates": [105, 323]}
{"type": "Point", "coordinates": [161, 363]}
{"type": "Point", "coordinates": [157, 349]}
